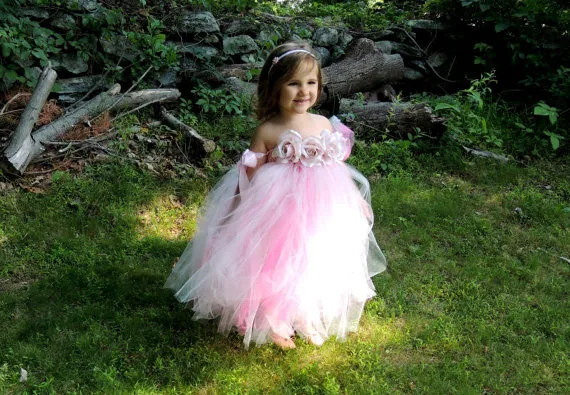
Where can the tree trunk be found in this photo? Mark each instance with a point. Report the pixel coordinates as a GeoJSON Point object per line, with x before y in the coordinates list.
{"type": "Point", "coordinates": [363, 69]}
{"type": "Point", "coordinates": [396, 119]}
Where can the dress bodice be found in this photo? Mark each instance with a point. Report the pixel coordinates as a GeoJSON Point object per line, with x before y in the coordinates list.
{"type": "Point", "coordinates": [326, 148]}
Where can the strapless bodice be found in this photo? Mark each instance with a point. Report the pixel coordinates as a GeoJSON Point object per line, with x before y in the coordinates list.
{"type": "Point", "coordinates": [326, 148]}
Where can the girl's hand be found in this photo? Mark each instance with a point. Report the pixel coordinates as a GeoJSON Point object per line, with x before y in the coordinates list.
{"type": "Point", "coordinates": [367, 210]}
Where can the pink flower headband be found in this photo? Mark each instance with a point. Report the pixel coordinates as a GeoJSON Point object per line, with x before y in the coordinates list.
{"type": "Point", "coordinates": [278, 58]}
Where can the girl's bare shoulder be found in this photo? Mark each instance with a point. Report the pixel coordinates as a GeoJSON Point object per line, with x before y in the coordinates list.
{"type": "Point", "coordinates": [266, 135]}
{"type": "Point", "coordinates": [322, 122]}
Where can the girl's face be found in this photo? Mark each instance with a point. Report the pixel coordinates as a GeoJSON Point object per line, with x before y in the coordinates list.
{"type": "Point", "coordinates": [299, 93]}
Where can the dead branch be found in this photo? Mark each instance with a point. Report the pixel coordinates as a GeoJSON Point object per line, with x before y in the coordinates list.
{"type": "Point", "coordinates": [22, 141]}
{"type": "Point", "coordinates": [172, 121]}
{"type": "Point", "coordinates": [33, 146]}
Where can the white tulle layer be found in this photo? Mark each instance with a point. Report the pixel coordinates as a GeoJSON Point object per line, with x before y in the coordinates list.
{"type": "Point", "coordinates": [292, 253]}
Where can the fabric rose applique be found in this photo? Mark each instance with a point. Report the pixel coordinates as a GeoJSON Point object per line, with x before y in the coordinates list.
{"type": "Point", "coordinates": [313, 150]}
{"type": "Point", "coordinates": [289, 149]}
{"type": "Point", "coordinates": [335, 147]}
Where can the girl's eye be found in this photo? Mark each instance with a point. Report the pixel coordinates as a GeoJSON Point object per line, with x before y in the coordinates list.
{"type": "Point", "coordinates": [312, 82]}
{"type": "Point", "coordinates": [292, 83]}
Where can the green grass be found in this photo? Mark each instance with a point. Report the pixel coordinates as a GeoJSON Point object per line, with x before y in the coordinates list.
{"type": "Point", "coordinates": [475, 298]}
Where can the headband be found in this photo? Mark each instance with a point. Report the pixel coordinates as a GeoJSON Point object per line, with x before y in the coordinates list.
{"type": "Point", "coordinates": [278, 58]}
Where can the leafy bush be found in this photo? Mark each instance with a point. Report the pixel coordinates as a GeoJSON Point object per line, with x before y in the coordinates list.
{"type": "Point", "coordinates": [27, 43]}
{"type": "Point", "coordinates": [525, 41]}
{"type": "Point", "coordinates": [476, 119]}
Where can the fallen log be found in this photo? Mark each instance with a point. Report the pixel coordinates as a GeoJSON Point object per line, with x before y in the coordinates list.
{"type": "Point", "coordinates": [22, 142]}
{"type": "Point", "coordinates": [193, 135]}
{"type": "Point", "coordinates": [363, 69]}
{"type": "Point", "coordinates": [24, 151]}
{"type": "Point", "coordinates": [398, 119]}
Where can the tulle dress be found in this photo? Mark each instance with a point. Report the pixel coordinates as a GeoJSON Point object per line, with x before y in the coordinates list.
{"type": "Point", "coordinates": [289, 251]}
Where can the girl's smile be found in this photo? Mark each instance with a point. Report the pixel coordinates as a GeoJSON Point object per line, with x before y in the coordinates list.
{"type": "Point", "coordinates": [299, 93]}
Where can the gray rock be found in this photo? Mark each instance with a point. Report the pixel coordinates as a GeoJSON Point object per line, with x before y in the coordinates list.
{"type": "Point", "coordinates": [437, 59]}
{"type": "Point", "coordinates": [266, 35]}
{"type": "Point", "coordinates": [242, 26]}
{"type": "Point", "coordinates": [36, 13]}
{"type": "Point", "coordinates": [239, 45]}
{"type": "Point", "coordinates": [384, 46]}
{"type": "Point", "coordinates": [86, 5]}
{"type": "Point", "coordinates": [211, 39]}
{"type": "Point", "coordinates": [295, 37]}
{"type": "Point", "coordinates": [197, 51]}
{"type": "Point", "coordinates": [81, 84]}
{"type": "Point", "coordinates": [198, 23]}
{"type": "Point", "coordinates": [325, 36]}
{"type": "Point", "coordinates": [344, 39]}
{"type": "Point", "coordinates": [187, 67]}
{"type": "Point", "coordinates": [412, 75]}
{"type": "Point", "coordinates": [248, 58]}
{"type": "Point", "coordinates": [167, 79]}
{"type": "Point", "coordinates": [406, 50]}
{"type": "Point", "coordinates": [323, 55]}
{"type": "Point", "coordinates": [63, 21]}
{"type": "Point", "coordinates": [425, 24]}
{"type": "Point", "coordinates": [73, 63]}
{"type": "Point", "coordinates": [240, 87]}
{"type": "Point", "coordinates": [119, 46]}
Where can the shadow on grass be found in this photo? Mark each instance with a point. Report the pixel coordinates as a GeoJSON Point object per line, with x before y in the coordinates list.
{"type": "Point", "coordinates": [93, 313]}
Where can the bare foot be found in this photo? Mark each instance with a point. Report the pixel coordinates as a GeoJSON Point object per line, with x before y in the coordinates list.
{"type": "Point", "coordinates": [312, 336]}
{"type": "Point", "coordinates": [284, 343]}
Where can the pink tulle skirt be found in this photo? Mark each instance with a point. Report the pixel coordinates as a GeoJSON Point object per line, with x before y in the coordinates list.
{"type": "Point", "coordinates": [294, 252]}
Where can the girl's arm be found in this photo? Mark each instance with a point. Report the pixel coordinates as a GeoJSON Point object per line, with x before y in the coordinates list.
{"type": "Point", "coordinates": [258, 145]}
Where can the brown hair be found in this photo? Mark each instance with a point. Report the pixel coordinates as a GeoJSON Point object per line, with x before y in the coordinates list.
{"type": "Point", "coordinates": [274, 75]}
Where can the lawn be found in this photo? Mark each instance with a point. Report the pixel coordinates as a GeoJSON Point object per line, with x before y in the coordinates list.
{"type": "Point", "coordinates": [475, 298]}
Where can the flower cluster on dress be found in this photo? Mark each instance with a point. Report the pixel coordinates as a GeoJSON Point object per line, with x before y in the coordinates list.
{"type": "Point", "coordinates": [310, 151]}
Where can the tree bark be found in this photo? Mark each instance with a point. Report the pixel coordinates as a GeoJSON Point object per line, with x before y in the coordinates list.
{"type": "Point", "coordinates": [363, 69]}
{"type": "Point", "coordinates": [22, 141]}
{"type": "Point", "coordinates": [398, 119]}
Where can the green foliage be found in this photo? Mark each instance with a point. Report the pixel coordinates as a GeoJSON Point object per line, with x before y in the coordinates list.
{"type": "Point", "coordinates": [526, 41]}
{"type": "Point", "coordinates": [476, 120]}
{"type": "Point", "coordinates": [26, 43]}
{"type": "Point", "coordinates": [218, 102]}
{"type": "Point", "coordinates": [152, 48]}
{"type": "Point", "coordinates": [368, 15]}
{"type": "Point", "coordinates": [373, 158]}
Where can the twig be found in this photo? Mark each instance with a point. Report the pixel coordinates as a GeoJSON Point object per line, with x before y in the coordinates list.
{"type": "Point", "coordinates": [124, 94]}
{"type": "Point", "coordinates": [207, 145]}
{"type": "Point", "coordinates": [451, 66]}
{"type": "Point", "coordinates": [412, 39]}
{"type": "Point", "coordinates": [437, 74]}
{"type": "Point", "coordinates": [136, 109]}
{"type": "Point", "coordinates": [11, 100]}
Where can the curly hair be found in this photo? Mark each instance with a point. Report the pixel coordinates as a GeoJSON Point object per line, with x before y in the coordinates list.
{"type": "Point", "coordinates": [274, 75]}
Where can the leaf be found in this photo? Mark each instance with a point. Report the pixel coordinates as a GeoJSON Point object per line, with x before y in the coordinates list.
{"type": "Point", "coordinates": [499, 27]}
{"type": "Point", "coordinates": [554, 141]}
{"type": "Point", "coordinates": [445, 106]}
{"type": "Point", "coordinates": [538, 110]}
{"type": "Point", "coordinates": [6, 49]}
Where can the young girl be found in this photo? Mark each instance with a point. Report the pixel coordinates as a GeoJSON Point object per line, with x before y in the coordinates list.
{"type": "Point", "coordinates": [284, 244]}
